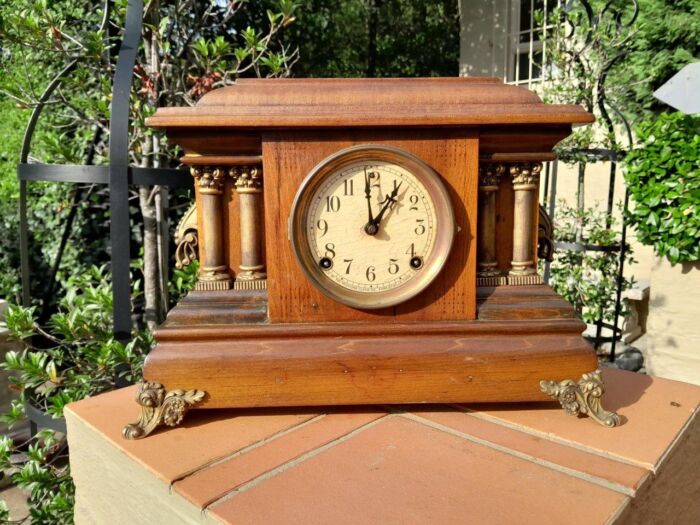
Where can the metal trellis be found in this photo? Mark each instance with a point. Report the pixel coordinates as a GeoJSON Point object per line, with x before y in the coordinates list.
{"type": "Point", "coordinates": [118, 175]}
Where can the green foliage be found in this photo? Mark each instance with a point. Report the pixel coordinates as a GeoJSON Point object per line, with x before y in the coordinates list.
{"type": "Point", "coordinates": [11, 127]}
{"type": "Point", "coordinates": [382, 38]}
{"type": "Point", "coordinates": [76, 356]}
{"type": "Point", "coordinates": [666, 38]}
{"type": "Point", "coordinates": [582, 51]}
{"type": "Point", "coordinates": [187, 49]}
{"type": "Point", "coordinates": [663, 178]}
{"type": "Point", "coordinates": [40, 467]}
{"type": "Point", "coordinates": [182, 281]}
{"type": "Point", "coordinates": [588, 280]}
{"type": "Point", "coordinates": [611, 62]}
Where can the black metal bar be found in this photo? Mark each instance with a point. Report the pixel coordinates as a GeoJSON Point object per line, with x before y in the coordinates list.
{"type": "Point", "coordinates": [611, 194]}
{"type": "Point", "coordinates": [552, 209]}
{"type": "Point", "coordinates": [120, 233]}
{"type": "Point", "coordinates": [24, 244]}
{"type": "Point", "coordinates": [39, 419]}
{"type": "Point", "coordinates": [80, 174]}
{"type": "Point", "coordinates": [23, 157]}
{"type": "Point", "coordinates": [620, 273]}
{"type": "Point", "coordinates": [585, 247]}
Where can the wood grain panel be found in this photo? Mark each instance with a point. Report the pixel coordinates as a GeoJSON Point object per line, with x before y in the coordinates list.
{"type": "Point", "coordinates": [231, 229]}
{"type": "Point", "coordinates": [333, 370]}
{"type": "Point", "coordinates": [505, 200]}
{"type": "Point", "coordinates": [289, 155]}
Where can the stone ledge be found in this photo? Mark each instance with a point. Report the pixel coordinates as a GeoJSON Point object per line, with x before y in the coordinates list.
{"type": "Point", "coordinates": [400, 464]}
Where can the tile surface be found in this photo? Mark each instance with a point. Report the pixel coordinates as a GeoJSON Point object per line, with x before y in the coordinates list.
{"type": "Point", "coordinates": [405, 464]}
{"type": "Point", "coordinates": [653, 412]}
{"type": "Point", "coordinates": [204, 436]}
{"type": "Point", "coordinates": [207, 485]}
{"type": "Point", "coordinates": [402, 472]}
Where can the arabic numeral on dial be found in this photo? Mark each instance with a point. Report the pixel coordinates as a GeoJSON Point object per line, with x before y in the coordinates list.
{"type": "Point", "coordinates": [371, 276]}
{"type": "Point", "coordinates": [322, 225]}
{"type": "Point", "coordinates": [330, 250]}
{"type": "Point", "coordinates": [348, 187]}
{"type": "Point", "coordinates": [413, 199]}
{"type": "Point", "coordinates": [411, 250]}
{"type": "Point", "coordinates": [349, 263]}
{"type": "Point", "coordinates": [420, 229]}
{"type": "Point", "coordinates": [393, 267]}
{"type": "Point", "coordinates": [332, 203]}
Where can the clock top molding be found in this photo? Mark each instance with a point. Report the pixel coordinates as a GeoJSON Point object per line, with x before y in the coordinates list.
{"type": "Point", "coordinates": [513, 123]}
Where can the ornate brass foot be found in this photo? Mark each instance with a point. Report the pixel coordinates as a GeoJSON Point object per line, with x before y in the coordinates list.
{"type": "Point", "coordinates": [160, 407]}
{"type": "Point", "coordinates": [582, 398]}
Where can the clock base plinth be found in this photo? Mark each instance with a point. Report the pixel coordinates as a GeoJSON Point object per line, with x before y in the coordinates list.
{"type": "Point", "coordinates": [370, 363]}
{"type": "Point", "coordinates": [525, 345]}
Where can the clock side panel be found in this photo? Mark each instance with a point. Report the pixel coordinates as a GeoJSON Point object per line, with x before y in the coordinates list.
{"type": "Point", "coordinates": [288, 156]}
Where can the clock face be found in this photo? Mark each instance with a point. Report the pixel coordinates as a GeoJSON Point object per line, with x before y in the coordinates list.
{"type": "Point", "coordinates": [372, 226]}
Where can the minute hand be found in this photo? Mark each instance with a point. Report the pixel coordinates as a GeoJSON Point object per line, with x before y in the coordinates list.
{"type": "Point", "coordinates": [368, 196]}
{"type": "Point", "coordinates": [391, 198]}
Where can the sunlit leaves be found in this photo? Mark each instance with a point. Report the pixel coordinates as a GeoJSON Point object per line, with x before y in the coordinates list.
{"type": "Point", "coordinates": [77, 356]}
{"type": "Point", "coordinates": [587, 279]}
{"type": "Point", "coordinates": [663, 177]}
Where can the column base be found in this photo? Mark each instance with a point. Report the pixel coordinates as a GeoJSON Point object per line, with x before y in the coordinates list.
{"type": "Point", "coordinates": [582, 397]}
{"type": "Point", "coordinates": [495, 280]}
{"type": "Point", "coordinates": [525, 280]}
{"type": "Point", "coordinates": [213, 278]}
{"type": "Point", "coordinates": [251, 276]}
{"type": "Point", "coordinates": [212, 286]}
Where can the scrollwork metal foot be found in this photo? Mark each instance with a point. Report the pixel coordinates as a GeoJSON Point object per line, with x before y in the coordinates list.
{"type": "Point", "coordinates": [159, 407]}
{"type": "Point", "coordinates": [582, 397]}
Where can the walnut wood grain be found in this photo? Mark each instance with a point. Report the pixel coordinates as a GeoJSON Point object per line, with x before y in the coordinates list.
{"type": "Point", "coordinates": [309, 103]}
{"type": "Point", "coordinates": [289, 156]}
{"type": "Point", "coordinates": [201, 308]}
{"type": "Point", "coordinates": [338, 370]}
{"type": "Point", "coordinates": [290, 345]}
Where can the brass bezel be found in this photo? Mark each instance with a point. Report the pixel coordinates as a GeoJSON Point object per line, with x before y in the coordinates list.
{"type": "Point", "coordinates": [434, 262]}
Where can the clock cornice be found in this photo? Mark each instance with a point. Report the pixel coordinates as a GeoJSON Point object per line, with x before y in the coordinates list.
{"type": "Point", "coordinates": [329, 102]}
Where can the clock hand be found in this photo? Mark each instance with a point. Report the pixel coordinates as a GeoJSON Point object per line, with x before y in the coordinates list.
{"type": "Point", "coordinates": [368, 196]}
{"type": "Point", "coordinates": [372, 227]}
{"type": "Point", "coordinates": [390, 199]}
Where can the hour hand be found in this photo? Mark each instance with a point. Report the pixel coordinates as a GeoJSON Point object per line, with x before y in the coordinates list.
{"type": "Point", "coordinates": [368, 196]}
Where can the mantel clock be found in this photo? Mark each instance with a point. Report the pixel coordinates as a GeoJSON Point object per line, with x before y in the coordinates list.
{"type": "Point", "coordinates": [367, 241]}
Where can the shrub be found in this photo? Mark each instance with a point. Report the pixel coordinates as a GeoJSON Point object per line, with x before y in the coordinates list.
{"type": "Point", "coordinates": [663, 178]}
{"type": "Point", "coordinates": [587, 279]}
{"type": "Point", "coordinates": [73, 357]}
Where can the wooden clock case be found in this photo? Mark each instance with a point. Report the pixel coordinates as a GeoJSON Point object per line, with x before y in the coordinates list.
{"type": "Point", "coordinates": [256, 333]}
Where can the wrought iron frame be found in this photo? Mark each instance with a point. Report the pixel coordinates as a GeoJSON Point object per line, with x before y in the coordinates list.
{"type": "Point", "coordinates": [117, 175]}
{"type": "Point", "coordinates": [601, 154]}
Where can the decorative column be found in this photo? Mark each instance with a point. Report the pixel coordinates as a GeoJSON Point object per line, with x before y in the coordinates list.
{"type": "Point", "coordinates": [487, 265]}
{"type": "Point", "coordinates": [213, 272]}
{"type": "Point", "coordinates": [248, 181]}
{"type": "Point", "coordinates": [526, 178]}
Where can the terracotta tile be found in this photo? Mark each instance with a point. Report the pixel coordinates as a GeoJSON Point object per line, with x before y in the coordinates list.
{"type": "Point", "coordinates": [204, 436]}
{"type": "Point", "coordinates": [205, 486]}
{"type": "Point", "coordinates": [401, 472]}
{"type": "Point", "coordinates": [609, 472]}
{"type": "Point", "coordinates": [654, 411]}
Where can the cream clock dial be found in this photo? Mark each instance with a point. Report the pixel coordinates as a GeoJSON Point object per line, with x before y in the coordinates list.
{"type": "Point", "coordinates": [372, 226]}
